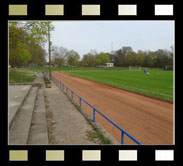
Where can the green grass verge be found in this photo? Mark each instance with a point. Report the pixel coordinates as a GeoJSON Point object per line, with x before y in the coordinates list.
{"type": "Point", "coordinates": [21, 75]}
{"type": "Point", "coordinates": [96, 134]}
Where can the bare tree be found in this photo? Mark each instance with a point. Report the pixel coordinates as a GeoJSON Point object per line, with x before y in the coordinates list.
{"type": "Point", "coordinates": [60, 55]}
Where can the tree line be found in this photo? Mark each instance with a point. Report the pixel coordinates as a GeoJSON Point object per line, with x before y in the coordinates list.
{"type": "Point", "coordinates": [26, 43]}
{"type": "Point", "coordinates": [127, 57]}
{"type": "Point", "coordinates": [26, 47]}
{"type": "Point", "coordinates": [63, 57]}
{"type": "Point", "coordinates": [123, 57]}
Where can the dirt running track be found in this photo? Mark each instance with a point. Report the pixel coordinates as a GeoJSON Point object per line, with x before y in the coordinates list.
{"type": "Point", "coordinates": [148, 120]}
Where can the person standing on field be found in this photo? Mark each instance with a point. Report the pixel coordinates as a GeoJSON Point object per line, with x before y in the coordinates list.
{"type": "Point", "coordinates": [145, 72]}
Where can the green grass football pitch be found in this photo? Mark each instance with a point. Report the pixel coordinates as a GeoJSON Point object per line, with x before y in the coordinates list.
{"type": "Point", "coordinates": [158, 83]}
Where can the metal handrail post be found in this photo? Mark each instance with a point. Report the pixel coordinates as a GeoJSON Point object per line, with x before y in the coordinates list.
{"type": "Point", "coordinates": [80, 102]}
{"type": "Point", "coordinates": [94, 115]}
{"type": "Point", "coordinates": [122, 137]}
{"type": "Point", "coordinates": [72, 96]}
{"type": "Point", "coordinates": [66, 91]}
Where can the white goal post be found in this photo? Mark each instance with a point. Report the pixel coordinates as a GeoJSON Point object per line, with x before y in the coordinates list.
{"type": "Point", "coordinates": [135, 68]}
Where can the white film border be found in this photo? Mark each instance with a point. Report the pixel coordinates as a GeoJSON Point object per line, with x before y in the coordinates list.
{"type": "Point", "coordinates": [91, 10]}
{"type": "Point", "coordinates": [91, 155]}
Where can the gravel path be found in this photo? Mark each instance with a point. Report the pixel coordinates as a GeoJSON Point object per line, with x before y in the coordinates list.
{"type": "Point", "coordinates": [66, 125]}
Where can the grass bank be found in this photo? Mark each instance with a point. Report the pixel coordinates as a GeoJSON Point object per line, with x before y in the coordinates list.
{"type": "Point", "coordinates": [21, 75]}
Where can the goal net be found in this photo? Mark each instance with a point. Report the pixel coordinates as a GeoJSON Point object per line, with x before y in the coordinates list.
{"type": "Point", "coordinates": [168, 67]}
{"type": "Point", "coordinates": [135, 68]}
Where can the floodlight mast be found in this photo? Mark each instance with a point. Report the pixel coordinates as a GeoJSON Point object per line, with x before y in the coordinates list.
{"type": "Point", "coordinates": [49, 50]}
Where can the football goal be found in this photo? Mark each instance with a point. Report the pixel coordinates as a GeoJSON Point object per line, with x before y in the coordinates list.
{"type": "Point", "coordinates": [168, 67]}
{"type": "Point", "coordinates": [135, 68]}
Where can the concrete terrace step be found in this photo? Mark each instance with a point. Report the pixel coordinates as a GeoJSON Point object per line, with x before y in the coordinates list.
{"type": "Point", "coordinates": [17, 95]}
{"type": "Point", "coordinates": [38, 134]}
{"type": "Point", "coordinates": [19, 130]}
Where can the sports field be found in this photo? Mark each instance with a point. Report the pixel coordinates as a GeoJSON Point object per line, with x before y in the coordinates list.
{"type": "Point", "coordinates": [158, 84]}
{"type": "Point", "coordinates": [149, 120]}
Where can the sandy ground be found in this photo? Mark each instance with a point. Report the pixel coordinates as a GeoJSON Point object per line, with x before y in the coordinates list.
{"type": "Point", "coordinates": [148, 120]}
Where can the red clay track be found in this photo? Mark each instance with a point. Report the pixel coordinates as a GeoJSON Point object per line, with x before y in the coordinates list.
{"type": "Point", "coordinates": [148, 120]}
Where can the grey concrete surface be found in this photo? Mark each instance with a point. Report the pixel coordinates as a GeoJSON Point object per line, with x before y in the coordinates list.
{"type": "Point", "coordinates": [67, 126]}
{"type": "Point", "coordinates": [46, 110]}
{"type": "Point", "coordinates": [38, 134]}
{"type": "Point", "coordinates": [18, 133]}
{"type": "Point", "coordinates": [39, 78]}
{"type": "Point", "coordinates": [16, 96]}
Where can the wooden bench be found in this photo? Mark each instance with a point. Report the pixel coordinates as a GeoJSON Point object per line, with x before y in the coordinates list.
{"type": "Point", "coordinates": [46, 77]}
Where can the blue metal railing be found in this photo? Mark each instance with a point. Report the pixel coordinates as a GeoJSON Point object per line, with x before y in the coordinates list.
{"type": "Point", "coordinates": [123, 132]}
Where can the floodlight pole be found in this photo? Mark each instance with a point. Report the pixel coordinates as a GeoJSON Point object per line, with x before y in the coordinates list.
{"type": "Point", "coordinates": [49, 50]}
{"type": "Point", "coordinates": [111, 47]}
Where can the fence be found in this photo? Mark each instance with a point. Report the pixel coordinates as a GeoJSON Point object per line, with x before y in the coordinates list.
{"type": "Point", "coordinates": [66, 90]}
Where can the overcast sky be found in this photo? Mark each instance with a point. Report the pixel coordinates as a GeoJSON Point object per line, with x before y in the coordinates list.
{"type": "Point", "coordinates": [82, 36]}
